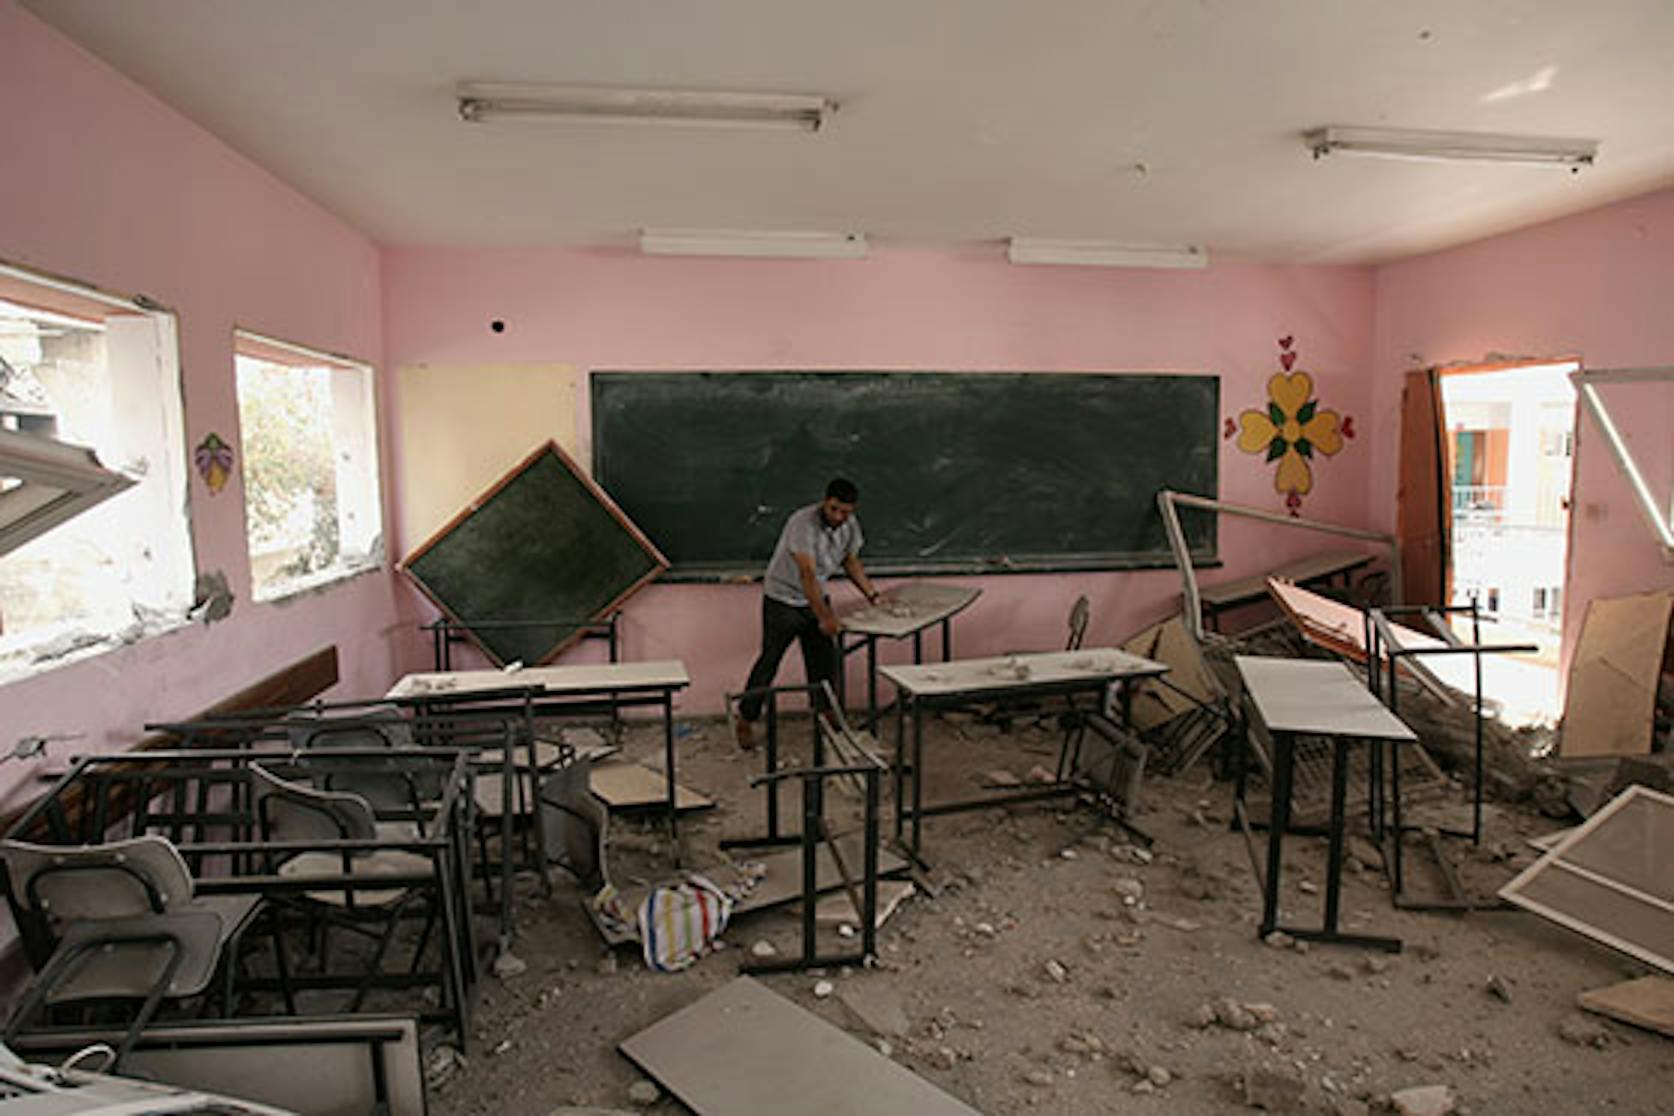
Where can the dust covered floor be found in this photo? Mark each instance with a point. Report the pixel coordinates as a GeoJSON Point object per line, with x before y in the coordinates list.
{"type": "Point", "coordinates": [1057, 969]}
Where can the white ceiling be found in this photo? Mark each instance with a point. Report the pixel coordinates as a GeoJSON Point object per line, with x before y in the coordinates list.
{"type": "Point", "coordinates": [1161, 122]}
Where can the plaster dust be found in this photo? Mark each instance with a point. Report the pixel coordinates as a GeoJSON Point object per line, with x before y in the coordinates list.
{"type": "Point", "coordinates": [1058, 968]}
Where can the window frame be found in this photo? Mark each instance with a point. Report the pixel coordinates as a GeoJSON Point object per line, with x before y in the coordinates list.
{"type": "Point", "coordinates": [255, 345]}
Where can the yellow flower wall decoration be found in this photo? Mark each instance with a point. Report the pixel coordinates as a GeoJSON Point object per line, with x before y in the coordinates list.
{"type": "Point", "coordinates": [1292, 430]}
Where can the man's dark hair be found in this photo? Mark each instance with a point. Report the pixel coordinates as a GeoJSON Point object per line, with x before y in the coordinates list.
{"type": "Point", "coordinates": [842, 490]}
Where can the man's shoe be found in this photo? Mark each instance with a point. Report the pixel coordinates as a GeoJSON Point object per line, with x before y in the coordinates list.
{"type": "Point", "coordinates": [745, 733]}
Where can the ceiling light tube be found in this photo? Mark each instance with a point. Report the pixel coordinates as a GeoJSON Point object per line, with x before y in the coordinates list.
{"type": "Point", "coordinates": [1398, 143]}
{"type": "Point", "coordinates": [738, 242]}
{"type": "Point", "coordinates": [480, 102]}
{"type": "Point", "coordinates": [1101, 253]}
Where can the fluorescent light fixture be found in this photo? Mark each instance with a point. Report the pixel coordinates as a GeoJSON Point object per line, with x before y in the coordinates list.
{"type": "Point", "coordinates": [738, 242]}
{"type": "Point", "coordinates": [1101, 253]}
{"type": "Point", "coordinates": [487, 101]}
{"type": "Point", "coordinates": [1398, 143]}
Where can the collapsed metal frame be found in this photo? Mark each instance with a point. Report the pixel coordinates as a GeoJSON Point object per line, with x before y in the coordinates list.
{"type": "Point", "coordinates": [1384, 654]}
{"type": "Point", "coordinates": [240, 862]}
{"type": "Point", "coordinates": [1587, 383]}
{"type": "Point", "coordinates": [479, 732]}
{"type": "Point", "coordinates": [1169, 502]}
{"type": "Point", "coordinates": [857, 762]}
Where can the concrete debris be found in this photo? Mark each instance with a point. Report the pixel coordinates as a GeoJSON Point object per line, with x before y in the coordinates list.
{"type": "Point", "coordinates": [876, 1007]}
{"type": "Point", "coordinates": [1278, 939]}
{"type": "Point", "coordinates": [1039, 775]}
{"type": "Point", "coordinates": [1000, 779]}
{"type": "Point", "coordinates": [644, 1093]}
{"type": "Point", "coordinates": [508, 965]}
{"type": "Point", "coordinates": [443, 1065]}
{"type": "Point", "coordinates": [1498, 989]}
{"type": "Point", "coordinates": [1056, 972]}
{"type": "Point", "coordinates": [1578, 1030]}
{"type": "Point", "coordinates": [1129, 890]}
{"type": "Point", "coordinates": [1274, 1088]}
{"type": "Point", "coordinates": [1234, 1016]}
{"type": "Point", "coordinates": [823, 989]}
{"type": "Point", "coordinates": [1424, 1100]}
{"type": "Point", "coordinates": [1038, 1077]}
{"type": "Point", "coordinates": [763, 949]}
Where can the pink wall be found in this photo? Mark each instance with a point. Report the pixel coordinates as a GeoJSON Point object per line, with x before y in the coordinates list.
{"type": "Point", "coordinates": [908, 310]}
{"type": "Point", "coordinates": [1594, 286]}
{"type": "Point", "coordinates": [110, 187]}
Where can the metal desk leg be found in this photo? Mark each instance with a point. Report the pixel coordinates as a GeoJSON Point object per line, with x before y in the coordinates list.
{"type": "Point", "coordinates": [1278, 820]}
{"type": "Point", "coordinates": [918, 773]}
{"type": "Point", "coordinates": [508, 827]}
{"type": "Point", "coordinates": [839, 683]}
{"type": "Point", "coordinates": [947, 639]}
{"type": "Point", "coordinates": [871, 681]}
{"type": "Point", "coordinates": [869, 900]}
{"type": "Point", "coordinates": [900, 767]}
{"type": "Point", "coordinates": [668, 762]}
{"type": "Point", "coordinates": [1334, 853]}
{"type": "Point", "coordinates": [918, 646]}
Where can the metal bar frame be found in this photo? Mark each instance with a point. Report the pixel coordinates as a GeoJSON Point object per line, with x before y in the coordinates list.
{"type": "Point", "coordinates": [1168, 502]}
{"type": "Point", "coordinates": [1659, 520]}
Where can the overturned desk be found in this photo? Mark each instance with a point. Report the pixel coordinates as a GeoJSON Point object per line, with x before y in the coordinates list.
{"type": "Point", "coordinates": [565, 691]}
{"type": "Point", "coordinates": [1314, 570]}
{"type": "Point", "coordinates": [905, 610]}
{"type": "Point", "coordinates": [925, 688]}
{"type": "Point", "coordinates": [1309, 697]}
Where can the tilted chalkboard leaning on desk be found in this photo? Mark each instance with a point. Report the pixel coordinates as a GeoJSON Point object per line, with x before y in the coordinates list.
{"type": "Point", "coordinates": [958, 471]}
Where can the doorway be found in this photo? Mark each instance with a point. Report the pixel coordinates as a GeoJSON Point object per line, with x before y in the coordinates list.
{"type": "Point", "coordinates": [1511, 445]}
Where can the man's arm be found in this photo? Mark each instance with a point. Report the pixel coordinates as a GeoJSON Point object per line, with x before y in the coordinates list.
{"type": "Point", "coordinates": [815, 593]}
{"type": "Point", "coordinates": [857, 574]}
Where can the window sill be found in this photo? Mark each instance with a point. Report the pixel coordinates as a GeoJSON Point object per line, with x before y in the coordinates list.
{"type": "Point", "coordinates": [42, 657]}
{"type": "Point", "coordinates": [315, 583]}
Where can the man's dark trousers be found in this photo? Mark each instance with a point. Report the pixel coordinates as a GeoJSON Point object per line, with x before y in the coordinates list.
{"type": "Point", "coordinates": [780, 624]}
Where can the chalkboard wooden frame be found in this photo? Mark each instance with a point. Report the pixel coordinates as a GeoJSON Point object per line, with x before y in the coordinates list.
{"type": "Point", "coordinates": [511, 528]}
{"type": "Point", "coordinates": [959, 472]}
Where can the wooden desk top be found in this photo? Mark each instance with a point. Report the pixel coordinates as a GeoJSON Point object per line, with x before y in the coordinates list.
{"type": "Point", "coordinates": [1303, 570]}
{"type": "Point", "coordinates": [580, 678]}
{"type": "Point", "coordinates": [1317, 697]}
{"type": "Point", "coordinates": [1011, 672]}
{"type": "Point", "coordinates": [906, 609]}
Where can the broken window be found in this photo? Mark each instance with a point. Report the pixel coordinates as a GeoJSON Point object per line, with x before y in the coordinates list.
{"type": "Point", "coordinates": [95, 548]}
{"type": "Point", "coordinates": [310, 458]}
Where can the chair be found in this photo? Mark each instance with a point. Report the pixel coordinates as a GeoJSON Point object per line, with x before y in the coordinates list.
{"type": "Point", "coordinates": [385, 787]}
{"type": "Point", "coordinates": [119, 921]}
{"type": "Point", "coordinates": [288, 811]}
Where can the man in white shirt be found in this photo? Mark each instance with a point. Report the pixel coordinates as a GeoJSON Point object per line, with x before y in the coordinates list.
{"type": "Point", "coordinates": [816, 542]}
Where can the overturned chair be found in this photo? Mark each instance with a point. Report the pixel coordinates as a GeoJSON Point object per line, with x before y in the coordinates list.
{"type": "Point", "coordinates": [364, 889]}
{"type": "Point", "coordinates": [119, 921]}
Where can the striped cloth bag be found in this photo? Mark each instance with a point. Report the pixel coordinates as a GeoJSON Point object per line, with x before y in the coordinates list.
{"type": "Point", "coordinates": [679, 923]}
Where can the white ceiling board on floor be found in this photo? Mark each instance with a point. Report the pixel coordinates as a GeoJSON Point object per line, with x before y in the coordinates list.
{"type": "Point", "coordinates": [960, 122]}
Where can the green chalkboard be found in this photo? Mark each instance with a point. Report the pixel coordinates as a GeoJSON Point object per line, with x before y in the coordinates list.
{"type": "Point", "coordinates": [958, 472]}
{"type": "Point", "coordinates": [544, 547]}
